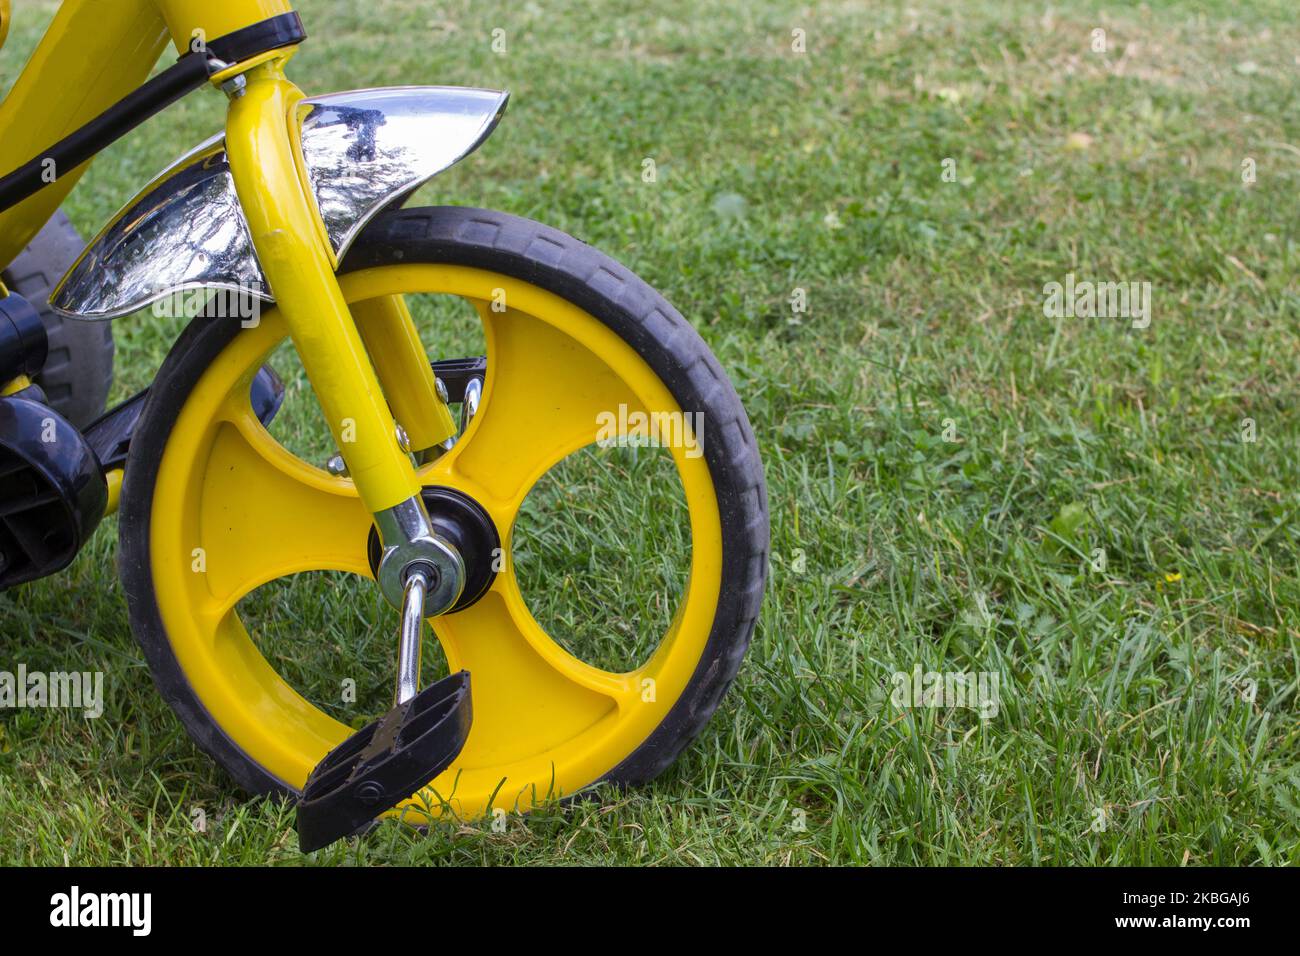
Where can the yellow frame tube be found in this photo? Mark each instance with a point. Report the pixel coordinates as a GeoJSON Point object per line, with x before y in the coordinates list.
{"type": "Point", "coordinates": [286, 235]}
{"type": "Point", "coordinates": [403, 368]}
{"type": "Point", "coordinates": [94, 53]}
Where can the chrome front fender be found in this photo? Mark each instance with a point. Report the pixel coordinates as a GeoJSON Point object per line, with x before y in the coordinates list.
{"type": "Point", "coordinates": [361, 151]}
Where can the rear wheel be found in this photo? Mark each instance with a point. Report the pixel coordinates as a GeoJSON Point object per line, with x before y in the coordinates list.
{"type": "Point", "coordinates": [79, 370]}
{"type": "Point", "coordinates": [214, 508]}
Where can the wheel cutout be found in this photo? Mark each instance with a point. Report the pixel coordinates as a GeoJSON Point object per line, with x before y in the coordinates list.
{"type": "Point", "coordinates": [449, 327]}
{"type": "Point", "coordinates": [299, 425]}
{"type": "Point", "coordinates": [601, 549]}
{"type": "Point", "coordinates": [333, 639]}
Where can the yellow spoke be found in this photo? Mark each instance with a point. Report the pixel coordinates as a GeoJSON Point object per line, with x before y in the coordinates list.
{"type": "Point", "coordinates": [530, 694]}
{"type": "Point", "coordinates": [265, 513]}
{"type": "Point", "coordinates": [546, 396]}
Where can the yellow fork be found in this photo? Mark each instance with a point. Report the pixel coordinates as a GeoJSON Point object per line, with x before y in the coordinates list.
{"type": "Point", "coordinates": [295, 256]}
{"type": "Point", "coordinates": [293, 248]}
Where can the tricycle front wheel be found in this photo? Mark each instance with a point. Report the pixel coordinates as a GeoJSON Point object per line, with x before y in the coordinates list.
{"type": "Point", "coordinates": [214, 507]}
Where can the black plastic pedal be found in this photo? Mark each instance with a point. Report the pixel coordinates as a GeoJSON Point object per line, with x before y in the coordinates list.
{"type": "Point", "coordinates": [385, 762]}
{"type": "Point", "coordinates": [456, 373]}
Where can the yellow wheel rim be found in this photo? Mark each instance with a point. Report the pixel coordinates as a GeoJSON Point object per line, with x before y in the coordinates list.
{"type": "Point", "coordinates": [233, 509]}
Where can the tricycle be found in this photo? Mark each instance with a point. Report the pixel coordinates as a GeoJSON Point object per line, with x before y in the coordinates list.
{"type": "Point", "coordinates": [291, 224]}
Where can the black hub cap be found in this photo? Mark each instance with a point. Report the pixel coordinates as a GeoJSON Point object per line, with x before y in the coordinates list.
{"type": "Point", "coordinates": [463, 522]}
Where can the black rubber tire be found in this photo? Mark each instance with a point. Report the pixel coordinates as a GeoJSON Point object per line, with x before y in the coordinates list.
{"type": "Point", "coordinates": [79, 370]}
{"type": "Point", "coordinates": [568, 268]}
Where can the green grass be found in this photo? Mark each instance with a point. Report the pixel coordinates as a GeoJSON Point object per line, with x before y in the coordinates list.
{"type": "Point", "coordinates": [1159, 689]}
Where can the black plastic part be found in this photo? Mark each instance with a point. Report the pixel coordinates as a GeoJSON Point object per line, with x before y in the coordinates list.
{"type": "Point", "coordinates": [456, 374]}
{"type": "Point", "coordinates": [33, 393]}
{"type": "Point", "coordinates": [462, 521]}
{"type": "Point", "coordinates": [266, 395]}
{"type": "Point", "coordinates": [23, 344]}
{"type": "Point", "coordinates": [281, 31]}
{"type": "Point", "coordinates": [110, 434]}
{"type": "Point", "coordinates": [52, 493]}
{"type": "Point", "coordinates": [385, 762]}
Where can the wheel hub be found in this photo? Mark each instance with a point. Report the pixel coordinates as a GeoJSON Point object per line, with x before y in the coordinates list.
{"type": "Point", "coordinates": [463, 551]}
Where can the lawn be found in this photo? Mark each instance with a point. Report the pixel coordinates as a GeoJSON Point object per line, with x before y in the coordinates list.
{"type": "Point", "coordinates": [1098, 514]}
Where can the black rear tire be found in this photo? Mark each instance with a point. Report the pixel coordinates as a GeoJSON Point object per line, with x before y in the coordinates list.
{"type": "Point", "coordinates": [79, 370]}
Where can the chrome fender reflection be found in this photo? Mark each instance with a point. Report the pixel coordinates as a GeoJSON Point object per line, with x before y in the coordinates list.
{"type": "Point", "coordinates": [362, 151]}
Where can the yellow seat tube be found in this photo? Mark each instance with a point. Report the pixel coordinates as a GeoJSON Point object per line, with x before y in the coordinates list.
{"type": "Point", "coordinates": [94, 53]}
{"type": "Point", "coordinates": [393, 342]}
{"type": "Point", "coordinates": [289, 243]}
